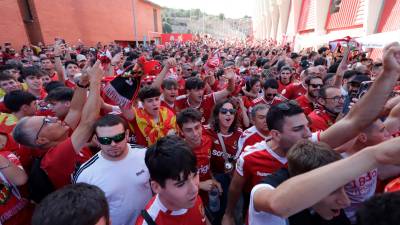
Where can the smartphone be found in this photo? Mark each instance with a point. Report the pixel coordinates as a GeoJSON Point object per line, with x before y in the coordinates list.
{"type": "Point", "coordinates": [364, 86]}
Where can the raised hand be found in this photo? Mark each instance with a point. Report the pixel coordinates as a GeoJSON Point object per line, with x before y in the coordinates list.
{"type": "Point", "coordinates": [170, 63]}
{"type": "Point", "coordinates": [391, 57]}
{"type": "Point", "coordinates": [96, 72]}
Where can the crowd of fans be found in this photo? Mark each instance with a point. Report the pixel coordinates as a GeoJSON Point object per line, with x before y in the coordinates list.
{"type": "Point", "coordinates": [202, 132]}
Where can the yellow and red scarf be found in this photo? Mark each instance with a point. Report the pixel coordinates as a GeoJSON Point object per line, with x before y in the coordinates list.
{"type": "Point", "coordinates": [151, 130]}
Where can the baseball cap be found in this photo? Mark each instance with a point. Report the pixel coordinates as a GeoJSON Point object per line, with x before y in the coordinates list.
{"type": "Point", "coordinates": [358, 79]}
{"type": "Point", "coordinates": [80, 57]}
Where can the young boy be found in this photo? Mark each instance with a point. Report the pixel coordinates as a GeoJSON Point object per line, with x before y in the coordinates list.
{"type": "Point", "coordinates": [174, 179]}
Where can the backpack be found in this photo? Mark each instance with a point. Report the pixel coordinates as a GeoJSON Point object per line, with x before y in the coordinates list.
{"type": "Point", "coordinates": [39, 184]}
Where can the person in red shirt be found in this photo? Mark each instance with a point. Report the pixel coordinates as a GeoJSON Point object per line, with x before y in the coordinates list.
{"type": "Point", "coordinates": [59, 100]}
{"type": "Point", "coordinates": [225, 134]}
{"type": "Point", "coordinates": [32, 77]}
{"type": "Point", "coordinates": [191, 129]}
{"type": "Point", "coordinates": [59, 150]}
{"type": "Point", "coordinates": [204, 103]}
{"type": "Point", "coordinates": [251, 91]}
{"type": "Point", "coordinates": [21, 104]}
{"type": "Point", "coordinates": [271, 94]}
{"type": "Point", "coordinates": [11, 69]}
{"type": "Point", "coordinates": [170, 92]}
{"type": "Point", "coordinates": [308, 101]}
{"type": "Point", "coordinates": [168, 85]}
{"type": "Point", "coordinates": [175, 180]}
{"type": "Point", "coordinates": [297, 89]}
{"type": "Point", "coordinates": [285, 78]}
{"type": "Point", "coordinates": [331, 101]}
{"type": "Point", "coordinates": [71, 70]}
{"type": "Point", "coordinates": [48, 66]}
{"type": "Point", "coordinates": [8, 83]}
{"type": "Point", "coordinates": [259, 131]}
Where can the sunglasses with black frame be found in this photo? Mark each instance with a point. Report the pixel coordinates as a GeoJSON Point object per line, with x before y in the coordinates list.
{"type": "Point", "coordinates": [108, 140]}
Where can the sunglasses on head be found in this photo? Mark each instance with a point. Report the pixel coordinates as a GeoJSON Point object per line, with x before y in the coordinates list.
{"type": "Point", "coordinates": [108, 140]}
{"type": "Point", "coordinates": [225, 111]}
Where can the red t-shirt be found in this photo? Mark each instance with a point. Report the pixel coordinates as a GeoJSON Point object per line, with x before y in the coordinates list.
{"type": "Point", "coordinates": [249, 137]}
{"type": "Point", "coordinates": [305, 104]}
{"type": "Point", "coordinates": [256, 162]}
{"type": "Point", "coordinates": [261, 100]}
{"type": "Point", "coordinates": [181, 87]}
{"type": "Point", "coordinates": [173, 107]}
{"type": "Point", "coordinates": [231, 145]}
{"type": "Point", "coordinates": [320, 120]}
{"type": "Point", "coordinates": [203, 155]}
{"type": "Point", "coordinates": [59, 163]}
{"type": "Point", "coordinates": [205, 107]}
{"type": "Point", "coordinates": [163, 216]}
{"type": "Point", "coordinates": [293, 91]}
{"type": "Point", "coordinates": [247, 101]}
{"type": "Point", "coordinates": [281, 86]}
{"type": "Point", "coordinates": [54, 76]}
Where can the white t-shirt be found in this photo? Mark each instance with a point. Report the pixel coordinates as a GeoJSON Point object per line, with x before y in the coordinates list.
{"type": "Point", "coordinates": [359, 190]}
{"type": "Point", "coordinates": [125, 183]}
{"type": "Point", "coordinates": [261, 218]}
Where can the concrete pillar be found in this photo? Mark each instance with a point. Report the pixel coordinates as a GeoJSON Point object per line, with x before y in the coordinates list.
{"type": "Point", "coordinates": [274, 11]}
{"type": "Point", "coordinates": [373, 9]}
{"type": "Point", "coordinates": [284, 7]}
{"type": "Point", "coordinates": [321, 15]}
{"type": "Point", "coordinates": [267, 19]}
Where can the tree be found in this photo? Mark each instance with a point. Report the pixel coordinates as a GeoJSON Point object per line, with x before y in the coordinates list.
{"type": "Point", "coordinates": [221, 16]}
{"type": "Point", "coordinates": [167, 28]}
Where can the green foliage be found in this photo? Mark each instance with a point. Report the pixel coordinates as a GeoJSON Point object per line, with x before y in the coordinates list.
{"type": "Point", "coordinates": [167, 28]}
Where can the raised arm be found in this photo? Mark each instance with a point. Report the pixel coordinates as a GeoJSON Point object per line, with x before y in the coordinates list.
{"type": "Point", "coordinates": [367, 109]}
{"type": "Point", "coordinates": [58, 67]}
{"type": "Point", "coordinates": [91, 109]}
{"type": "Point", "coordinates": [392, 122]}
{"type": "Point", "coordinates": [341, 69]}
{"type": "Point", "coordinates": [313, 186]}
{"type": "Point", "coordinates": [169, 63]}
{"type": "Point", "coordinates": [230, 75]}
{"type": "Point", "coordinates": [13, 173]}
{"type": "Point", "coordinates": [78, 101]}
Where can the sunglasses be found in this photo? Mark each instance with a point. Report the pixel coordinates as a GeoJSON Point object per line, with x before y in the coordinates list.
{"type": "Point", "coordinates": [271, 95]}
{"type": "Point", "coordinates": [316, 85]}
{"type": "Point", "coordinates": [108, 140]}
{"type": "Point", "coordinates": [225, 111]}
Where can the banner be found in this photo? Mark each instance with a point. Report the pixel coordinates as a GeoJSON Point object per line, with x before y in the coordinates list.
{"type": "Point", "coordinates": [175, 37]}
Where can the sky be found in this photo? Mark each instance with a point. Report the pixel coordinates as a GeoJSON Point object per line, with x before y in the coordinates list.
{"type": "Point", "coordinates": [231, 8]}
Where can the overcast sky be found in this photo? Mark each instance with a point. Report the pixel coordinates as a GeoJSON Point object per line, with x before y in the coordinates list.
{"type": "Point", "coordinates": [231, 8]}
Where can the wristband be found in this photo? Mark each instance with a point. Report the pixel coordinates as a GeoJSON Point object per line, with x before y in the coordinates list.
{"type": "Point", "coordinates": [82, 86]}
